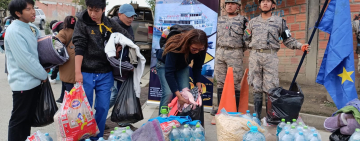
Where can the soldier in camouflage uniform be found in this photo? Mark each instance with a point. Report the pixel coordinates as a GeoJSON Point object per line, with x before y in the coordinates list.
{"type": "Point", "coordinates": [231, 48]}
{"type": "Point", "coordinates": [263, 36]}
{"type": "Point", "coordinates": [356, 29]}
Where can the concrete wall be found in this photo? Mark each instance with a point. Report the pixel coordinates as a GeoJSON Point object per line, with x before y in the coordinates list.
{"type": "Point", "coordinates": [56, 9]}
{"type": "Point", "coordinates": [300, 15]}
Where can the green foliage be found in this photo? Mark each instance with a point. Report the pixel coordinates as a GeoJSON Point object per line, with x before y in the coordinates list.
{"type": "Point", "coordinates": [152, 4]}
{"type": "Point", "coordinates": [47, 29]}
{"type": "Point", "coordinates": [81, 3]}
{"type": "Point", "coordinates": [4, 4]}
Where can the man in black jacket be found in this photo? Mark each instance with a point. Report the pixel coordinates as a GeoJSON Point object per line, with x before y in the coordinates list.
{"type": "Point", "coordinates": [92, 69]}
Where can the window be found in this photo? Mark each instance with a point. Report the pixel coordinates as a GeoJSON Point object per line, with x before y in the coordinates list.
{"type": "Point", "coordinates": [37, 13]}
{"type": "Point", "coordinates": [41, 12]}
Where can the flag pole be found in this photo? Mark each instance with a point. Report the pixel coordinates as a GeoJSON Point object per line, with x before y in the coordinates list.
{"type": "Point", "coordinates": [309, 42]}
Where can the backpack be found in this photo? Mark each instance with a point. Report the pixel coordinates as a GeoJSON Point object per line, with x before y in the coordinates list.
{"type": "Point", "coordinates": [175, 29]}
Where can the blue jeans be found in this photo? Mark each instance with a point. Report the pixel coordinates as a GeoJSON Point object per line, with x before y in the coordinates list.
{"type": "Point", "coordinates": [182, 80]}
{"type": "Point", "coordinates": [102, 83]}
{"type": "Point", "coordinates": [114, 92]}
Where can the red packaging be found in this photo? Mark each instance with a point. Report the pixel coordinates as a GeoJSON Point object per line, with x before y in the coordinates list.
{"type": "Point", "coordinates": [34, 137]}
{"type": "Point", "coordinates": [167, 126]}
{"type": "Point", "coordinates": [75, 120]}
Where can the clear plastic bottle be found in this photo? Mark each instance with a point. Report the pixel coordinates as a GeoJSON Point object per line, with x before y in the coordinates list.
{"type": "Point", "coordinates": [254, 118]}
{"type": "Point", "coordinates": [186, 133]}
{"type": "Point", "coordinates": [307, 133]}
{"type": "Point", "coordinates": [280, 126]}
{"type": "Point", "coordinates": [314, 137]}
{"type": "Point", "coordinates": [298, 131]}
{"type": "Point", "coordinates": [288, 124]}
{"type": "Point", "coordinates": [112, 135]}
{"type": "Point", "coordinates": [87, 140]}
{"type": "Point", "coordinates": [248, 114]}
{"type": "Point", "coordinates": [294, 122]}
{"type": "Point", "coordinates": [356, 135]}
{"type": "Point", "coordinates": [313, 130]}
{"type": "Point", "coordinates": [101, 139]}
{"type": "Point", "coordinates": [124, 136]}
{"type": "Point", "coordinates": [300, 137]}
{"type": "Point", "coordinates": [198, 134]}
{"type": "Point", "coordinates": [47, 137]}
{"type": "Point", "coordinates": [128, 130]}
{"type": "Point", "coordinates": [287, 137]}
{"type": "Point", "coordinates": [293, 131]}
{"type": "Point", "coordinates": [164, 111]}
{"type": "Point", "coordinates": [175, 134]}
{"type": "Point", "coordinates": [282, 133]}
{"type": "Point", "coordinates": [301, 125]}
{"type": "Point", "coordinates": [253, 135]}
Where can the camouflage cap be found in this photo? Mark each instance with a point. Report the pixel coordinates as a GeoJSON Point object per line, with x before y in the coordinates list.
{"type": "Point", "coordinates": [271, 0]}
{"type": "Point", "coordinates": [233, 1]}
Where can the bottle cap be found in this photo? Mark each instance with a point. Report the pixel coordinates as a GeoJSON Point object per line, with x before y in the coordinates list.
{"type": "Point", "coordinates": [254, 114]}
{"type": "Point", "coordinates": [112, 132]}
{"type": "Point", "coordinates": [357, 129]}
{"type": "Point", "coordinates": [116, 128]}
{"type": "Point", "coordinates": [301, 133]}
{"type": "Point", "coordinates": [253, 129]}
{"type": "Point", "coordinates": [294, 120]}
{"type": "Point", "coordinates": [123, 131]}
{"type": "Point", "coordinates": [315, 135]}
{"type": "Point", "coordinates": [46, 134]}
{"type": "Point", "coordinates": [247, 111]}
{"type": "Point", "coordinates": [288, 123]}
{"type": "Point", "coordinates": [174, 127]}
{"type": "Point", "coordinates": [197, 125]}
{"type": "Point", "coordinates": [287, 132]}
{"type": "Point", "coordinates": [293, 127]}
{"type": "Point", "coordinates": [300, 123]}
{"type": "Point", "coordinates": [127, 127]}
{"type": "Point", "coordinates": [283, 120]}
{"type": "Point", "coordinates": [305, 127]}
{"type": "Point", "coordinates": [186, 126]}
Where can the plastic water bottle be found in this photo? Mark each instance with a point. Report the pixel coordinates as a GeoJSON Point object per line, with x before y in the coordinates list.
{"type": "Point", "coordinates": [164, 111]}
{"type": "Point", "coordinates": [314, 137]}
{"type": "Point", "coordinates": [356, 135]}
{"type": "Point", "coordinates": [280, 126]}
{"type": "Point", "coordinates": [307, 133]}
{"type": "Point", "coordinates": [300, 137]}
{"type": "Point", "coordinates": [128, 130]}
{"type": "Point", "coordinates": [301, 125]}
{"type": "Point", "coordinates": [282, 133]}
{"type": "Point", "coordinates": [294, 122]}
{"type": "Point", "coordinates": [288, 125]}
{"type": "Point", "coordinates": [198, 125]}
{"type": "Point", "coordinates": [186, 133]}
{"type": "Point", "coordinates": [293, 131]}
{"type": "Point", "coordinates": [313, 130]}
{"type": "Point", "coordinates": [287, 137]}
{"type": "Point", "coordinates": [47, 137]}
{"type": "Point", "coordinates": [175, 134]}
{"type": "Point", "coordinates": [101, 139]}
{"type": "Point", "coordinates": [112, 135]}
{"type": "Point", "coordinates": [254, 118]}
{"type": "Point", "coordinates": [198, 134]}
{"type": "Point", "coordinates": [298, 131]}
{"type": "Point", "coordinates": [87, 140]}
{"type": "Point", "coordinates": [253, 135]}
{"type": "Point", "coordinates": [248, 113]}
{"type": "Point", "coordinates": [124, 136]}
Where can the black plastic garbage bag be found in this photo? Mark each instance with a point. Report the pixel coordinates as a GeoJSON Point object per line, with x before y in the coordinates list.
{"type": "Point", "coordinates": [46, 107]}
{"type": "Point", "coordinates": [337, 136]}
{"type": "Point", "coordinates": [127, 107]}
{"type": "Point", "coordinates": [194, 114]}
{"type": "Point", "coordinates": [284, 104]}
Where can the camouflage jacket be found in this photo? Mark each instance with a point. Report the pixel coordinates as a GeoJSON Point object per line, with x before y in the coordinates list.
{"type": "Point", "coordinates": [231, 30]}
{"type": "Point", "coordinates": [269, 34]}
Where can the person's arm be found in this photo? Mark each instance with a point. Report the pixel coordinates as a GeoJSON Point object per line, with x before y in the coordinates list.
{"type": "Point", "coordinates": [24, 59]}
{"type": "Point", "coordinates": [118, 28]}
{"type": "Point", "coordinates": [80, 42]}
{"type": "Point", "coordinates": [198, 63]}
{"type": "Point", "coordinates": [291, 42]}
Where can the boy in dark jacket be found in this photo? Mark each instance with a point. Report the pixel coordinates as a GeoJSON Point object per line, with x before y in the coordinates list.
{"type": "Point", "coordinates": [92, 30]}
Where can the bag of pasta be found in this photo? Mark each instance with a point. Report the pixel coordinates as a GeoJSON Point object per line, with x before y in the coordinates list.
{"type": "Point", "coordinates": [75, 119]}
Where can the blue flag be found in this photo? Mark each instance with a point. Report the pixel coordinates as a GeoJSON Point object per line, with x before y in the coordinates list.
{"type": "Point", "coordinates": [337, 72]}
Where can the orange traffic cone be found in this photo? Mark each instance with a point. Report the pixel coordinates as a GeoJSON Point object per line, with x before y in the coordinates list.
{"type": "Point", "coordinates": [244, 94]}
{"type": "Point", "coordinates": [228, 95]}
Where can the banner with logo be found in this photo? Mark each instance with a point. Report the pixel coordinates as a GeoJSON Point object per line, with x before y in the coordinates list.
{"type": "Point", "coordinates": [202, 14]}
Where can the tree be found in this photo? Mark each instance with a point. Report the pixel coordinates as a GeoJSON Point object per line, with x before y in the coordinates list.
{"type": "Point", "coordinates": [4, 4]}
{"type": "Point", "coordinates": [80, 2]}
{"type": "Point", "coordinates": [152, 4]}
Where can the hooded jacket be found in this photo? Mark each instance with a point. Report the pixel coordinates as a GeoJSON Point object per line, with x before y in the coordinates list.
{"type": "Point", "coordinates": [90, 39]}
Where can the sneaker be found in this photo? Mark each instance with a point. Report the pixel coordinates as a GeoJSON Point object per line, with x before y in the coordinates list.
{"type": "Point", "coordinates": [214, 111]}
{"type": "Point", "coordinates": [213, 121]}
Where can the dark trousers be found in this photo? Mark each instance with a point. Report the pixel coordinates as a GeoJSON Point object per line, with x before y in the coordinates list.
{"type": "Point", "coordinates": [65, 87]}
{"type": "Point", "coordinates": [24, 106]}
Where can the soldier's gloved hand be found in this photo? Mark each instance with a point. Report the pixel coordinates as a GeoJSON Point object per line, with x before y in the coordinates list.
{"type": "Point", "coordinates": [305, 47]}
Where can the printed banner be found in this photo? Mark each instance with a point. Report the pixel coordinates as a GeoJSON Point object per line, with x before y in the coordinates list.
{"type": "Point", "coordinates": [202, 14]}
